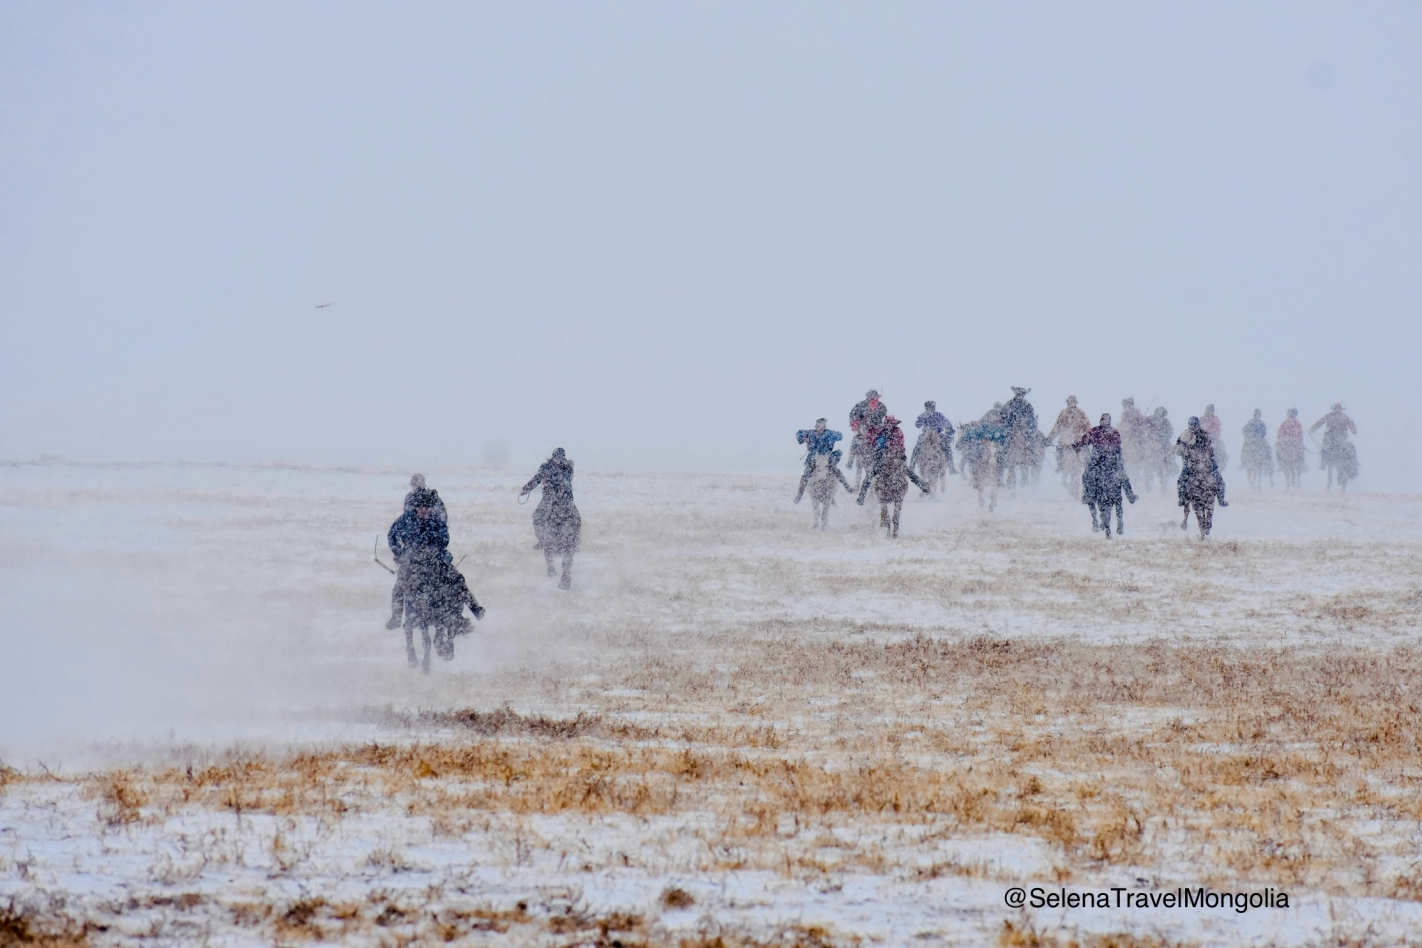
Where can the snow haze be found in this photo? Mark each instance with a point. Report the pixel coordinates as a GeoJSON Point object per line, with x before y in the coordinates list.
{"type": "Point", "coordinates": [668, 236]}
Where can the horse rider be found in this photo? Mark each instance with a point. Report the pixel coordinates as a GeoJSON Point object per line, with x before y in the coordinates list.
{"type": "Point", "coordinates": [870, 413]}
{"type": "Point", "coordinates": [819, 441]}
{"type": "Point", "coordinates": [1020, 421]}
{"type": "Point", "coordinates": [417, 539]}
{"type": "Point", "coordinates": [1255, 455]}
{"type": "Point", "coordinates": [1210, 424]}
{"type": "Point", "coordinates": [1201, 483]}
{"type": "Point", "coordinates": [556, 521]}
{"type": "Point", "coordinates": [889, 438]}
{"type": "Point", "coordinates": [934, 420]}
{"type": "Point", "coordinates": [1072, 425]}
{"type": "Point", "coordinates": [1336, 427]}
{"type": "Point", "coordinates": [865, 419]}
{"type": "Point", "coordinates": [1289, 448]}
{"type": "Point", "coordinates": [1159, 435]}
{"type": "Point", "coordinates": [1132, 430]}
{"type": "Point", "coordinates": [1105, 476]}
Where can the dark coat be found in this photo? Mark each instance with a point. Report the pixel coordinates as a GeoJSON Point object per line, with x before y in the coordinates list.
{"type": "Point", "coordinates": [411, 537]}
{"type": "Point", "coordinates": [1105, 476]}
{"type": "Point", "coordinates": [1200, 481]}
{"type": "Point", "coordinates": [867, 416]}
{"type": "Point", "coordinates": [436, 506]}
{"type": "Point", "coordinates": [556, 522]}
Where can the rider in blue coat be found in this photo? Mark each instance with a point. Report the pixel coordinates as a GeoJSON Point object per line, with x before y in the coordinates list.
{"type": "Point", "coordinates": [934, 420]}
{"type": "Point", "coordinates": [819, 441]}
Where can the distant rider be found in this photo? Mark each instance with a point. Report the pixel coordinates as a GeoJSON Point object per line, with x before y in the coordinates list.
{"type": "Point", "coordinates": [556, 521]}
{"type": "Point", "coordinates": [1072, 425]}
{"type": "Point", "coordinates": [934, 420]}
{"type": "Point", "coordinates": [1020, 420]}
{"type": "Point", "coordinates": [819, 442]}
{"type": "Point", "coordinates": [1336, 427]}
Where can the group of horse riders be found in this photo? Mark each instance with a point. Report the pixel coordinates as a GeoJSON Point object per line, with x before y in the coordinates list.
{"type": "Point", "coordinates": [430, 593]}
{"type": "Point", "coordinates": [1096, 463]}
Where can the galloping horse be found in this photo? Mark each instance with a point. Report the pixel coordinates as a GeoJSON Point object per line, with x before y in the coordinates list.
{"type": "Point", "coordinates": [821, 488]}
{"type": "Point", "coordinates": [861, 455]}
{"type": "Point", "coordinates": [890, 479]}
{"type": "Point", "coordinates": [1340, 458]}
{"type": "Point", "coordinates": [434, 600]}
{"type": "Point", "coordinates": [930, 457]}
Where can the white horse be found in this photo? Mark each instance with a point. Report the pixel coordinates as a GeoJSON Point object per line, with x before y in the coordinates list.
{"type": "Point", "coordinates": [930, 458]}
{"type": "Point", "coordinates": [821, 488]}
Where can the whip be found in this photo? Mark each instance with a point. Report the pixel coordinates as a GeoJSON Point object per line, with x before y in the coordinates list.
{"type": "Point", "coordinates": [377, 557]}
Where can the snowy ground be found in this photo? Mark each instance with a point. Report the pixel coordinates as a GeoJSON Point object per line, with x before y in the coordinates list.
{"type": "Point", "coordinates": [733, 727]}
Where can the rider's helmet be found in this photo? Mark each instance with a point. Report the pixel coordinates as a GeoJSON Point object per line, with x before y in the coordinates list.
{"type": "Point", "coordinates": [1106, 420]}
{"type": "Point", "coordinates": [1071, 399]}
{"type": "Point", "coordinates": [1293, 412]}
{"type": "Point", "coordinates": [930, 406]}
{"type": "Point", "coordinates": [1127, 401]}
{"type": "Point", "coordinates": [417, 481]}
{"type": "Point", "coordinates": [872, 393]}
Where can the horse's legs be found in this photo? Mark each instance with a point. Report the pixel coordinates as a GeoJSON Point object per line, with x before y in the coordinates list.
{"type": "Point", "coordinates": [1120, 517]}
{"type": "Point", "coordinates": [898, 507]}
{"type": "Point", "coordinates": [567, 581]}
{"type": "Point", "coordinates": [1095, 524]}
{"type": "Point", "coordinates": [883, 514]}
{"type": "Point", "coordinates": [548, 559]}
{"type": "Point", "coordinates": [425, 639]}
{"type": "Point", "coordinates": [410, 645]}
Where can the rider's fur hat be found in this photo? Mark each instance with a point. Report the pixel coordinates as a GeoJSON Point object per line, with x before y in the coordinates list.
{"type": "Point", "coordinates": [1071, 399]}
{"type": "Point", "coordinates": [891, 421]}
{"type": "Point", "coordinates": [1337, 406]}
{"type": "Point", "coordinates": [872, 393]}
{"type": "Point", "coordinates": [931, 406]}
{"type": "Point", "coordinates": [821, 421]}
{"type": "Point", "coordinates": [1016, 390]}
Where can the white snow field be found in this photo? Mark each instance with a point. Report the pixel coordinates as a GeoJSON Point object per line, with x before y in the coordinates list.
{"type": "Point", "coordinates": [733, 730]}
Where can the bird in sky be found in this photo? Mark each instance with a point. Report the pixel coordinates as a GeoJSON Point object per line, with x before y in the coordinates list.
{"type": "Point", "coordinates": [322, 305]}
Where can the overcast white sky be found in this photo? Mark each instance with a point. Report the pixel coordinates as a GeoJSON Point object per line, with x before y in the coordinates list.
{"type": "Point", "coordinates": [671, 234]}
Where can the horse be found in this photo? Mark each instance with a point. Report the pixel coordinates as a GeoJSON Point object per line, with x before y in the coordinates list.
{"type": "Point", "coordinates": [559, 533]}
{"type": "Point", "coordinates": [435, 596]}
{"type": "Point", "coordinates": [1339, 457]}
{"type": "Point", "coordinates": [1290, 455]}
{"type": "Point", "coordinates": [1257, 461]}
{"type": "Point", "coordinates": [861, 450]}
{"type": "Point", "coordinates": [930, 457]}
{"type": "Point", "coordinates": [890, 479]}
{"type": "Point", "coordinates": [980, 462]}
{"type": "Point", "coordinates": [821, 488]}
{"type": "Point", "coordinates": [1072, 466]}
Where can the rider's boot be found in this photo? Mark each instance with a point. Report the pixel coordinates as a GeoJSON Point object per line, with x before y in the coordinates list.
{"type": "Point", "coordinates": [393, 622]}
{"type": "Point", "coordinates": [804, 479]}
